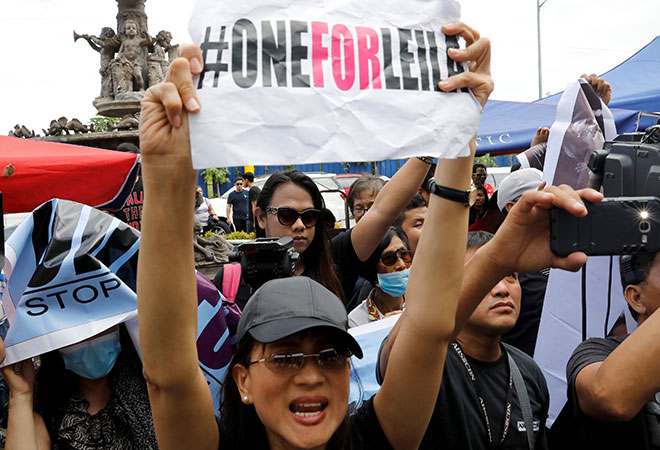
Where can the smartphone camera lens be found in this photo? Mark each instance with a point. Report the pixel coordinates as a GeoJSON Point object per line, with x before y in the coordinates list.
{"type": "Point", "coordinates": [645, 226]}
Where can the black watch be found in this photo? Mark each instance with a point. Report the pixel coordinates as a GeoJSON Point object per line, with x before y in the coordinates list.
{"type": "Point", "coordinates": [456, 195]}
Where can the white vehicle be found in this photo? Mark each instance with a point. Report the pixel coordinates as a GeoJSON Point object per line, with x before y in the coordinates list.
{"type": "Point", "coordinates": [334, 201]}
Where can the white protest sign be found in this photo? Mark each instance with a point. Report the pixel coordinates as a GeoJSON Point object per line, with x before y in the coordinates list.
{"type": "Point", "coordinates": [308, 81]}
{"type": "Point", "coordinates": [71, 275]}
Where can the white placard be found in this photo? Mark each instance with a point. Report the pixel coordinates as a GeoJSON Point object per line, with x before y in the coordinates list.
{"type": "Point", "coordinates": [308, 82]}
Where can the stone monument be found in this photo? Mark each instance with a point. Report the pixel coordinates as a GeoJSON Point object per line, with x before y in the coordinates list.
{"type": "Point", "coordinates": [131, 60]}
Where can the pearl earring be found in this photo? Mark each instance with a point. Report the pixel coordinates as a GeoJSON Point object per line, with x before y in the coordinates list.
{"type": "Point", "coordinates": [245, 399]}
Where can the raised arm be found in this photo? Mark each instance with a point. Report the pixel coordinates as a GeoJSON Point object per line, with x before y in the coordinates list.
{"type": "Point", "coordinates": [167, 292]}
{"type": "Point", "coordinates": [616, 389]}
{"type": "Point", "coordinates": [407, 398]}
{"type": "Point", "coordinates": [25, 428]}
{"type": "Point", "coordinates": [389, 203]}
{"type": "Point", "coordinates": [521, 244]}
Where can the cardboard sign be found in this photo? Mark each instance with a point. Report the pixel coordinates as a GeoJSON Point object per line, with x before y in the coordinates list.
{"type": "Point", "coordinates": [307, 82]}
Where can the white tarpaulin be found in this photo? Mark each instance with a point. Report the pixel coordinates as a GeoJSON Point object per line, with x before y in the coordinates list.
{"type": "Point", "coordinates": [583, 123]}
{"type": "Point", "coordinates": [308, 82]}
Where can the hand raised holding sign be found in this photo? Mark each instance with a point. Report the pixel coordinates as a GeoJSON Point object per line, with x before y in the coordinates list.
{"type": "Point", "coordinates": [477, 54]}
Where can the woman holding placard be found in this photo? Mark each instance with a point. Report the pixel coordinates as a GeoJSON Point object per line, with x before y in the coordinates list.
{"type": "Point", "coordinates": [288, 384]}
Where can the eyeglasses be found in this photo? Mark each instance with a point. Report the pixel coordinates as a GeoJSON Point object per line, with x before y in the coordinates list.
{"type": "Point", "coordinates": [288, 216]}
{"type": "Point", "coordinates": [239, 184]}
{"type": "Point", "coordinates": [390, 258]}
{"type": "Point", "coordinates": [358, 210]}
{"type": "Point", "coordinates": [481, 175]}
{"type": "Point", "coordinates": [330, 359]}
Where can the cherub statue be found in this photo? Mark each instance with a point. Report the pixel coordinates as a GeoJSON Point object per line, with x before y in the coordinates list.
{"type": "Point", "coordinates": [107, 45]}
{"type": "Point", "coordinates": [164, 40]}
{"type": "Point", "coordinates": [126, 68]}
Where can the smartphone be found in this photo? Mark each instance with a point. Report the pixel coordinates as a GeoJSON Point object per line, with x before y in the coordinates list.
{"type": "Point", "coordinates": [615, 226]}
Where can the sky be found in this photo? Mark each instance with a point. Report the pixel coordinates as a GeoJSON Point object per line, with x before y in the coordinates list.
{"type": "Point", "coordinates": [45, 75]}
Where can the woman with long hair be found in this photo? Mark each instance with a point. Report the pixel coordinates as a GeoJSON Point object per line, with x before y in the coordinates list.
{"type": "Point", "coordinates": [479, 209]}
{"type": "Point", "coordinates": [288, 384]}
{"type": "Point", "coordinates": [89, 395]}
{"type": "Point", "coordinates": [290, 204]}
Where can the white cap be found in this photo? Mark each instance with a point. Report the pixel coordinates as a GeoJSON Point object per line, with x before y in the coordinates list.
{"type": "Point", "coordinates": [518, 182]}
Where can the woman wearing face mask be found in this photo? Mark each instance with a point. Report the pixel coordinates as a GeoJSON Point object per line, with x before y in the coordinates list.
{"type": "Point", "coordinates": [390, 267]}
{"type": "Point", "coordinates": [90, 395]}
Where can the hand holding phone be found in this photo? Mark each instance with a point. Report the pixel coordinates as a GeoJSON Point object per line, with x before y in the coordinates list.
{"type": "Point", "coordinates": [614, 226]}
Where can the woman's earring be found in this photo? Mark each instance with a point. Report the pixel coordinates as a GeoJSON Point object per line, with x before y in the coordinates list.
{"type": "Point", "coordinates": [245, 399]}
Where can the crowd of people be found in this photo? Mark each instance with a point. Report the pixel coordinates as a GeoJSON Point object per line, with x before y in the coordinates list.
{"type": "Point", "coordinates": [462, 265]}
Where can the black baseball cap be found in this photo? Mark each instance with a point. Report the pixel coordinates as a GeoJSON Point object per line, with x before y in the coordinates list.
{"type": "Point", "coordinates": [287, 306]}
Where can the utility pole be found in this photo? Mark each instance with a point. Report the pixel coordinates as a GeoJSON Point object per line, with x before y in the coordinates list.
{"type": "Point", "coordinates": [539, 4]}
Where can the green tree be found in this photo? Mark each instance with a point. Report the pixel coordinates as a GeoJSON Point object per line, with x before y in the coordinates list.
{"type": "Point", "coordinates": [486, 160]}
{"type": "Point", "coordinates": [215, 177]}
{"type": "Point", "coordinates": [104, 123]}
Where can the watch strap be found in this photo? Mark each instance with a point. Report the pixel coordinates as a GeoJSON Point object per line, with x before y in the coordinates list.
{"type": "Point", "coordinates": [455, 195]}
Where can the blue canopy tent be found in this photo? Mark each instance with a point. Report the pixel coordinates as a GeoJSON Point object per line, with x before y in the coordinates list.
{"type": "Point", "coordinates": [508, 127]}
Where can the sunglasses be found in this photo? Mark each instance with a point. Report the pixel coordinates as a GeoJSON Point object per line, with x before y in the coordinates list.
{"type": "Point", "coordinates": [288, 216]}
{"type": "Point", "coordinates": [330, 359]}
{"type": "Point", "coordinates": [390, 258]}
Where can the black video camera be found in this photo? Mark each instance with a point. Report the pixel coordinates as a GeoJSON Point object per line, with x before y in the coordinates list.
{"type": "Point", "coordinates": [628, 166]}
{"type": "Point", "coordinates": [628, 220]}
{"type": "Point", "coordinates": [265, 259]}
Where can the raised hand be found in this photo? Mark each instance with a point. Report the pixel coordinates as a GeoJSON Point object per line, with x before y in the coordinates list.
{"type": "Point", "coordinates": [19, 376]}
{"type": "Point", "coordinates": [477, 54]}
{"type": "Point", "coordinates": [522, 243]}
{"type": "Point", "coordinates": [602, 88]}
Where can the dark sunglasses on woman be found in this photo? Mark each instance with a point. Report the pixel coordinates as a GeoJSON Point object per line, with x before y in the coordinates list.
{"type": "Point", "coordinates": [288, 216]}
{"type": "Point", "coordinates": [389, 258]}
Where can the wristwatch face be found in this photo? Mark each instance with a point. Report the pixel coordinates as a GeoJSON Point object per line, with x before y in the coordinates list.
{"type": "Point", "coordinates": [472, 196]}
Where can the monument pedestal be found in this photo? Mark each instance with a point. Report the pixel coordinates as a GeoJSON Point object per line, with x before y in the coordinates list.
{"type": "Point", "coordinates": [119, 108]}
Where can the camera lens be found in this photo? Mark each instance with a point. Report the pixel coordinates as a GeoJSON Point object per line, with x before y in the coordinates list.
{"type": "Point", "coordinates": [645, 226]}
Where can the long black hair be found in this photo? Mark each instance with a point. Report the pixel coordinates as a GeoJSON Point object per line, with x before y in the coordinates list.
{"type": "Point", "coordinates": [240, 424]}
{"type": "Point", "coordinates": [317, 258]}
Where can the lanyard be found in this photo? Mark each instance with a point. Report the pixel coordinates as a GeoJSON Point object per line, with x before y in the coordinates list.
{"type": "Point", "coordinates": [482, 403]}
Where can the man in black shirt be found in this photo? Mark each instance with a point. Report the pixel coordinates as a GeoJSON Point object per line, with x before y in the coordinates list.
{"type": "Point", "coordinates": [254, 191]}
{"type": "Point", "coordinates": [239, 201]}
{"type": "Point", "coordinates": [613, 382]}
{"type": "Point", "coordinates": [478, 406]}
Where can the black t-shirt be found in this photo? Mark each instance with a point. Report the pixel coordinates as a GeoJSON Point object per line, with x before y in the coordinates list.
{"type": "Point", "coordinates": [577, 430]}
{"type": "Point", "coordinates": [458, 421]}
{"type": "Point", "coordinates": [253, 195]}
{"type": "Point", "coordinates": [239, 201]}
{"type": "Point", "coordinates": [347, 263]}
{"type": "Point", "coordinates": [365, 433]}
{"type": "Point", "coordinates": [523, 335]}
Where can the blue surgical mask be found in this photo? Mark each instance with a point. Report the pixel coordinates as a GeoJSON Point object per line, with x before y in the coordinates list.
{"type": "Point", "coordinates": [93, 359]}
{"type": "Point", "coordinates": [394, 283]}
